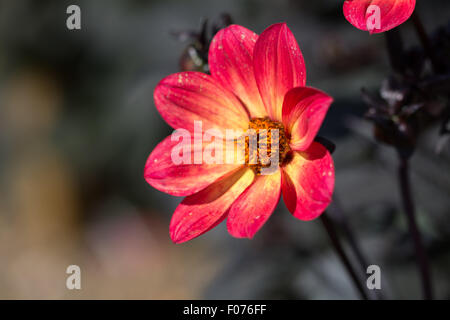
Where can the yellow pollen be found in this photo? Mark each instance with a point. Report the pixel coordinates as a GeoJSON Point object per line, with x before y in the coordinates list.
{"type": "Point", "coordinates": [260, 131]}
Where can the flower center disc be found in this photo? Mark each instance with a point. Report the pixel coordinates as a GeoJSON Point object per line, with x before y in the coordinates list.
{"type": "Point", "coordinates": [264, 139]}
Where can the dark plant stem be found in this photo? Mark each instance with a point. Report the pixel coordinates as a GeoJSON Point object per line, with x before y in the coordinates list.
{"type": "Point", "coordinates": [425, 40]}
{"type": "Point", "coordinates": [343, 223]}
{"type": "Point", "coordinates": [409, 209]}
{"type": "Point", "coordinates": [342, 220]}
{"type": "Point", "coordinates": [331, 230]}
{"type": "Point", "coordinates": [394, 44]}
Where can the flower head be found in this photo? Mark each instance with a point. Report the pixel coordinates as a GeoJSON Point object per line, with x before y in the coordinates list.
{"type": "Point", "coordinates": [257, 85]}
{"type": "Point", "coordinates": [378, 16]}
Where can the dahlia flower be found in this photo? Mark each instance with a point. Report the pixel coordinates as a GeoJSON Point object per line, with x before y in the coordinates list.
{"type": "Point", "coordinates": [257, 83]}
{"type": "Point", "coordinates": [378, 16]}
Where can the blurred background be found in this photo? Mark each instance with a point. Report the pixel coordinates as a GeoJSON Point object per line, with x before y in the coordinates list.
{"type": "Point", "coordinates": [77, 122]}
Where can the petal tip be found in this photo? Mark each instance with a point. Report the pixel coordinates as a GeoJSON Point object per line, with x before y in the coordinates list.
{"type": "Point", "coordinates": [176, 240]}
{"type": "Point", "coordinates": [175, 235]}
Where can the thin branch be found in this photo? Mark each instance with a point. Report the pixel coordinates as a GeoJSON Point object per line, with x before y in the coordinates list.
{"type": "Point", "coordinates": [394, 44]}
{"type": "Point", "coordinates": [409, 209]}
{"type": "Point", "coordinates": [342, 220]}
{"type": "Point", "coordinates": [331, 230]}
{"type": "Point", "coordinates": [425, 40]}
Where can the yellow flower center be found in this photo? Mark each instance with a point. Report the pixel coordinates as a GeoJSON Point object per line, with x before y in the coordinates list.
{"type": "Point", "coordinates": [266, 145]}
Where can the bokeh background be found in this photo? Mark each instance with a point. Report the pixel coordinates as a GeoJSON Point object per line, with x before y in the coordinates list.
{"type": "Point", "coordinates": [77, 122]}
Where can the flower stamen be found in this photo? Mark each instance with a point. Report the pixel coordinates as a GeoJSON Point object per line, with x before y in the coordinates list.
{"type": "Point", "coordinates": [260, 151]}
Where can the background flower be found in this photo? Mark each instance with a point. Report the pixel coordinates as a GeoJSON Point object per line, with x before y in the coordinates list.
{"type": "Point", "coordinates": [378, 16]}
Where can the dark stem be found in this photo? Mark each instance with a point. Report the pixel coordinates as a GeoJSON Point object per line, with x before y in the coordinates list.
{"type": "Point", "coordinates": [394, 44]}
{"type": "Point", "coordinates": [331, 230]}
{"type": "Point", "coordinates": [343, 223]}
{"type": "Point", "coordinates": [352, 240]}
{"type": "Point", "coordinates": [425, 40]}
{"type": "Point", "coordinates": [409, 209]}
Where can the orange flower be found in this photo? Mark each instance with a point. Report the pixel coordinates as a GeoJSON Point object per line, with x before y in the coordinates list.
{"type": "Point", "coordinates": [256, 83]}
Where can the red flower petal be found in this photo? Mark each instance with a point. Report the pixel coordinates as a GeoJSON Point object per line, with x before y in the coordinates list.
{"type": "Point", "coordinates": [202, 211]}
{"type": "Point", "coordinates": [308, 182]}
{"type": "Point", "coordinates": [392, 13]}
{"type": "Point", "coordinates": [303, 112]}
{"type": "Point", "coordinates": [231, 63]}
{"type": "Point", "coordinates": [183, 179]}
{"type": "Point", "coordinates": [278, 65]}
{"type": "Point", "coordinates": [184, 97]}
{"type": "Point", "coordinates": [254, 206]}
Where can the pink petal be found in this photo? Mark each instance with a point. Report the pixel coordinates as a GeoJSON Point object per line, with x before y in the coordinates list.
{"type": "Point", "coordinates": [185, 97]}
{"type": "Point", "coordinates": [308, 182]}
{"type": "Point", "coordinates": [254, 206]}
{"type": "Point", "coordinates": [231, 64]}
{"type": "Point", "coordinates": [392, 13]}
{"type": "Point", "coordinates": [278, 65]}
{"type": "Point", "coordinates": [202, 211]}
{"type": "Point", "coordinates": [304, 109]}
{"type": "Point", "coordinates": [182, 179]}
